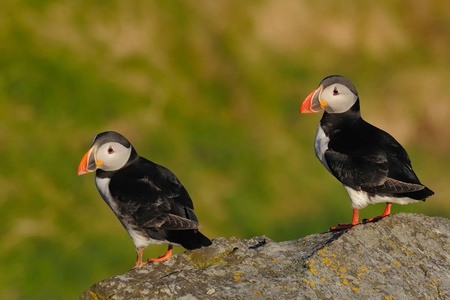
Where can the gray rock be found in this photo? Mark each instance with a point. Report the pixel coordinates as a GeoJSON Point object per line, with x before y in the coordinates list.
{"type": "Point", "coordinates": [403, 256]}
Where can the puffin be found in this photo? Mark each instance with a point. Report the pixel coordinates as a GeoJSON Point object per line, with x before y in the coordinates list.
{"type": "Point", "coordinates": [148, 199]}
{"type": "Point", "coordinates": [371, 165]}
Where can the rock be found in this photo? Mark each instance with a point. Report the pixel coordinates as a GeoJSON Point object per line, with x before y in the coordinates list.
{"type": "Point", "coordinates": [403, 256]}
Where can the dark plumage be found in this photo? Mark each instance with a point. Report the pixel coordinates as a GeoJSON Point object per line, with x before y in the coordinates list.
{"type": "Point", "coordinates": [372, 166]}
{"type": "Point", "coordinates": [148, 199]}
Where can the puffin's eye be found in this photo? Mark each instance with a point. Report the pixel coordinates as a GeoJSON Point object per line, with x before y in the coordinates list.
{"type": "Point", "coordinates": [110, 150]}
{"type": "Point", "coordinates": [335, 91]}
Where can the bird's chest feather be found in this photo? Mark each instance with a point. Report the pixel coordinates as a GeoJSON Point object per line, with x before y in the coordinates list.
{"type": "Point", "coordinates": [103, 188]}
{"type": "Point", "coordinates": [139, 237]}
{"type": "Point", "coordinates": [321, 145]}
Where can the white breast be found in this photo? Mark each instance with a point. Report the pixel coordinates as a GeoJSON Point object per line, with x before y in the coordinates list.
{"type": "Point", "coordinates": [103, 188]}
{"type": "Point", "coordinates": [321, 145]}
{"type": "Point", "coordinates": [140, 239]}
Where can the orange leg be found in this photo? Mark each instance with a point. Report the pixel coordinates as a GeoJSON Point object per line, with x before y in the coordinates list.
{"type": "Point", "coordinates": [163, 257]}
{"type": "Point", "coordinates": [386, 213]}
{"type": "Point", "coordinates": [139, 262]}
{"type": "Point", "coordinates": [354, 222]}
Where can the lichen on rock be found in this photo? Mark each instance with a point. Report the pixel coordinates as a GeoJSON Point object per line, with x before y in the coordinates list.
{"type": "Point", "coordinates": [403, 256]}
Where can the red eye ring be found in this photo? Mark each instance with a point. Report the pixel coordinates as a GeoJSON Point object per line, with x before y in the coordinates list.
{"type": "Point", "coordinates": [335, 91]}
{"type": "Point", "coordinates": [110, 150]}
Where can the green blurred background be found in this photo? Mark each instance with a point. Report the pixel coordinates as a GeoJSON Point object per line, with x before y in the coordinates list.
{"type": "Point", "coordinates": [211, 90]}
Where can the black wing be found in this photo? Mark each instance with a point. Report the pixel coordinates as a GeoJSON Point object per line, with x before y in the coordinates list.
{"type": "Point", "coordinates": [152, 197]}
{"type": "Point", "coordinates": [366, 158]}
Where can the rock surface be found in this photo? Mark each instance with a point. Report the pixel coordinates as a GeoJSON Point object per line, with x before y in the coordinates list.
{"type": "Point", "coordinates": [403, 256]}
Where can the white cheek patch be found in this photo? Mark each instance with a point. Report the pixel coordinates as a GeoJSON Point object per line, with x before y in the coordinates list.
{"type": "Point", "coordinates": [340, 102]}
{"type": "Point", "coordinates": [115, 159]}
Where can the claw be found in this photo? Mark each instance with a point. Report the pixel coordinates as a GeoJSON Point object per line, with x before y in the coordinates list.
{"type": "Point", "coordinates": [354, 222]}
{"type": "Point", "coordinates": [342, 226]}
{"type": "Point", "coordinates": [139, 263]}
{"type": "Point", "coordinates": [386, 213]}
{"type": "Point", "coordinates": [163, 257]}
{"type": "Point", "coordinates": [355, 218]}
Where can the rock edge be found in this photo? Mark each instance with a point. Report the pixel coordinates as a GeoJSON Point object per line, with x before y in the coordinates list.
{"type": "Point", "coordinates": [403, 256]}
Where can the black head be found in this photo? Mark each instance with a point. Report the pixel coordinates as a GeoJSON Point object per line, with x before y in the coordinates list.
{"type": "Point", "coordinates": [111, 136]}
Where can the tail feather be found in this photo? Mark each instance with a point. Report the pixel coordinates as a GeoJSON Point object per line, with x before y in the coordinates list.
{"type": "Point", "coordinates": [189, 239]}
{"type": "Point", "coordinates": [421, 195]}
{"type": "Point", "coordinates": [425, 193]}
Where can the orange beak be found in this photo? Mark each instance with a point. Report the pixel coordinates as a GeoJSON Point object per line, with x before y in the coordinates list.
{"type": "Point", "coordinates": [312, 102]}
{"type": "Point", "coordinates": [87, 164]}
